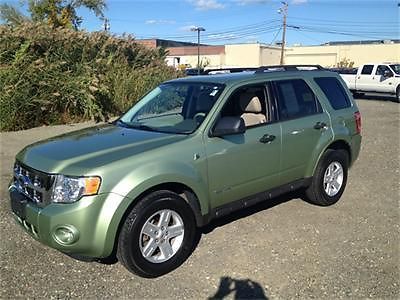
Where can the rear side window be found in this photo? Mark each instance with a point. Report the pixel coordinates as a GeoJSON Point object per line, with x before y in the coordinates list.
{"type": "Point", "coordinates": [296, 99]}
{"type": "Point", "coordinates": [367, 70]}
{"type": "Point", "coordinates": [334, 91]}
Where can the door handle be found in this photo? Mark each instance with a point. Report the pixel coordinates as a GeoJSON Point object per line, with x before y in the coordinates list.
{"type": "Point", "coordinates": [267, 138]}
{"type": "Point", "coordinates": [320, 125]}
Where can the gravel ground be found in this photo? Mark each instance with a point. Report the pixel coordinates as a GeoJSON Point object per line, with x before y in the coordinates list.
{"type": "Point", "coordinates": [286, 248]}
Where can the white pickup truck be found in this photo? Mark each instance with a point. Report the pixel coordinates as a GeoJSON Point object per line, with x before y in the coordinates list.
{"type": "Point", "coordinates": [374, 78]}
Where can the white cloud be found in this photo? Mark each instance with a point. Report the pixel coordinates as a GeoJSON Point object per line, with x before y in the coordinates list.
{"type": "Point", "coordinates": [187, 27]}
{"type": "Point", "coordinates": [297, 2]}
{"type": "Point", "coordinates": [207, 4]}
{"type": "Point", "coordinates": [159, 22]}
{"type": "Point", "coordinates": [249, 2]}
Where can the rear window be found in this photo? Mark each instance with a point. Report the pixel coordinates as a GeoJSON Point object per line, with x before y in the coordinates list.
{"type": "Point", "coordinates": [367, 70]}
{"type": "Point", "coordinates": [334, 91]}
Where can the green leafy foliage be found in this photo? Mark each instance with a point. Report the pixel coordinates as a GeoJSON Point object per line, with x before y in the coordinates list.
{"type": "Point", "coordinates": [56, 76]}
{"type": "Point", "coordinates": [11, 15]}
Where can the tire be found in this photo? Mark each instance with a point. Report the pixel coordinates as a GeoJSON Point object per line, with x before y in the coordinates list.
{"type": "Point", "coordinates": [330, 178]}
{"type": "Point", "coordinates": [160, 246]}
{"type": "Point", "coordinates": [398, 94]}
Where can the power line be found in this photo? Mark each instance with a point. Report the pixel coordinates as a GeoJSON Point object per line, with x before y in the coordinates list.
{"type": "Point", "coordinates": [342, 21]}
{"type": "Point", "coordinates": [348, 33]}
{"type": "Point", "coordinates": [276, 35]}
{"type": "Point", "coordinates": [239, 30]}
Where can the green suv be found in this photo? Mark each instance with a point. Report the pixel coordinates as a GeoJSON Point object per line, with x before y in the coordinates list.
{"type": "Point", "coordinates": [190, 151]}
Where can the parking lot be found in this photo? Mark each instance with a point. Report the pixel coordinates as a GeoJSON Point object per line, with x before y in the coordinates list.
{"type": "Point", "coordinates": [280, 249]}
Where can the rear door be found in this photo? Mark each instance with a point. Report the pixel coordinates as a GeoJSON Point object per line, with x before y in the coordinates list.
{"type": "Point", "coordinates": [364, 80]}
{"type": "Point", "coordinates": [304, 126]}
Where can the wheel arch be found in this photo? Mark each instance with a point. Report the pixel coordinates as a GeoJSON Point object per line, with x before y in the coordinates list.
{"type": "Point", "coordinates": [335, 145]}
{"type": "Point", "coordinates": [186, 192]}
{"type": "Point", "coordinates": [183, 190]}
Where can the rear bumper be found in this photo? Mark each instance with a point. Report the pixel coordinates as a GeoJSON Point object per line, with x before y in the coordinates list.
{"type": "Point", "coordinates": [89, 221]}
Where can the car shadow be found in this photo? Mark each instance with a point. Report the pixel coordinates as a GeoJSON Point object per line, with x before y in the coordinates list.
{"type": "Point", "coordinates": [248, 211]}
{"type": "Point", "coordinates": [238, 289]}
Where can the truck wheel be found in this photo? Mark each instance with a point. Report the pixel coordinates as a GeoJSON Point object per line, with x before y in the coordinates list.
{"type": "Point", "coordinates": [158, 235]}
{"type": "Point", "coordinates": [330, 178]}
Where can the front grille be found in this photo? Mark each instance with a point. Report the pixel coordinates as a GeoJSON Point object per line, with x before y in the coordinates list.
{"type": "Point", "coordinates": [34, 184]}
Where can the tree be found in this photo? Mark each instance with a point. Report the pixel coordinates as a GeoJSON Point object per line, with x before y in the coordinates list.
{"type": "Point", "coordinates": [345, 63]}
{"type": "Point", "coordinates": [57, 13]}
{"type": "Point", "coordinates": [11, 15]}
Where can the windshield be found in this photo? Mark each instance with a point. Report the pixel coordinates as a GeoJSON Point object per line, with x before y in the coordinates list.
{"type": "Point", "coordinates": [178, 107]}
{"type": "Point", "coordinates": [396, 68]}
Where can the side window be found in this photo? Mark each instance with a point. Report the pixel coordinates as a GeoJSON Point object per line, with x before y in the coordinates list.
{"type": "Point", "coordinates": [249, 103]}
{"type": "Point", "coordinates": [334, 91]}
{"type": "Point", "coordinates": [296, 99]}
{"type": "Point", "coordinates": [367, 69]}
{"type": "Point", "coordinates": [381, 70]}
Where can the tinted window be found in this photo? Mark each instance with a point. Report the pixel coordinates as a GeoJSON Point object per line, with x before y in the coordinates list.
{"type": "Point", "coordinates": [367, 70]}
{"type": "Point", "coordinates": [380, 70]}
{"type": "Point", "coordinates": [396, 68]}
{"type": "Point", "coordinates": [334, 91]}
{"type": "Point", "coordinates": [295, 99]}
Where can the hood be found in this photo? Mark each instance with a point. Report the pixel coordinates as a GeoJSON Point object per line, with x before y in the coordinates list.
{"type": "Point", "coordinates": [86, 149]}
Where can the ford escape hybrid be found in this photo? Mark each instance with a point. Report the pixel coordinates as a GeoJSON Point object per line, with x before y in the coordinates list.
{"type": "Point", "coordinates": [191, 150]}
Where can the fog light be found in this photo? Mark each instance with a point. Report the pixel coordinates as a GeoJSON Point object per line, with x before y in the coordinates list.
{"type": "Point", "coordinates": [66, 235]}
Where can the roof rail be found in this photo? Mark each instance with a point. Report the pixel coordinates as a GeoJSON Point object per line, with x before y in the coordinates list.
{"type": "Point", "coordinates": [229, 70]}
{"type": "Point", "coordinates": [262, 69]}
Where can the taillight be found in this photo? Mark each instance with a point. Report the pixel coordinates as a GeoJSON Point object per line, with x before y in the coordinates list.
{"type": "Point", "coordinates": [357, 118]}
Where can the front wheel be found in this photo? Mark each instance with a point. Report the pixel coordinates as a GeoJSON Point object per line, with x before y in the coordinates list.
{"type": "Point", "coordinates": [330, 178]}
{"type": "Point", "coordinates": [398, 94]}
{"type": "Point", "coordinates": [158, 235]}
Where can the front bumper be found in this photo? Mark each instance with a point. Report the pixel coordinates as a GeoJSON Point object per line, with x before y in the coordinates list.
{"type": "Point", "coordinates": [91, 219]}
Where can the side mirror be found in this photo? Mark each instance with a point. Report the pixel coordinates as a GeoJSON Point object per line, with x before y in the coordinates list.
{"type": "Point", "coordinates": [229, 126]}
{"type": "Point", "coordinates": [387, 73]}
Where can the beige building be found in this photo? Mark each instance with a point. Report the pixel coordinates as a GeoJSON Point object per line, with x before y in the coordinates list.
{"type": "Point", "coordinates": [256, 54]}
{"type": "Point", "coordinates": [239, 55]}
{"type": "Point", "coordinates": [331, 55]}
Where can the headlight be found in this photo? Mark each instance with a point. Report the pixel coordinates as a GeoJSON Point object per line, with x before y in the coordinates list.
{"type": "Point", "coordinates": [71, 189]}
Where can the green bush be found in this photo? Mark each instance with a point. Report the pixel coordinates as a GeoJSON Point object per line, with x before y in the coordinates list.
{"type": "Point", "coordinates": [56, 76]}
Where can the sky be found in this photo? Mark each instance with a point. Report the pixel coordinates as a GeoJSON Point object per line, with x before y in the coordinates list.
{"type": "Point", "coordinates": [310, 22]}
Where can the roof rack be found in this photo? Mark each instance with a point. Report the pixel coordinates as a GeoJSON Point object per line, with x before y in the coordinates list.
{"type": "Point", "coordinates": [263, 69]}
{"type": "Point", "coordinates": [228, 70]}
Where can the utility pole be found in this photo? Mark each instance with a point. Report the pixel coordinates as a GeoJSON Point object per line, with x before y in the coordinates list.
{"type": "Point", "coordinates": [283, 10]}
{"type": "Point", "coordinates": [106, 25]}
{"type": "Point", "coordinates": [198, 29]}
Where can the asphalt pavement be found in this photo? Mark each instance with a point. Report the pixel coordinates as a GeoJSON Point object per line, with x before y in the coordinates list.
{"type": "Point", "coordinates": [280, 249]}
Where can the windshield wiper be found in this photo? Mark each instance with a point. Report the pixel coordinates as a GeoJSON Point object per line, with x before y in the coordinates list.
{"type": "Point", "coordinates": [136, 126]}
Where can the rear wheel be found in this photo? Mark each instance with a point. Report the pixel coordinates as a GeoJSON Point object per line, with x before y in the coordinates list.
{"type": "Point", "coordinates": [398, 94]}
{"type": "Point", "coordinates": [158, 235]}
{"type": "Point", "coordinates": [330, 178]}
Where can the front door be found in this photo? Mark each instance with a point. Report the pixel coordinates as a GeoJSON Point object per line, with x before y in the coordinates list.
{"type": "Point", "coordinates": [244, 164]}
{"type": "Point", "coordinates": [382, 83]}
